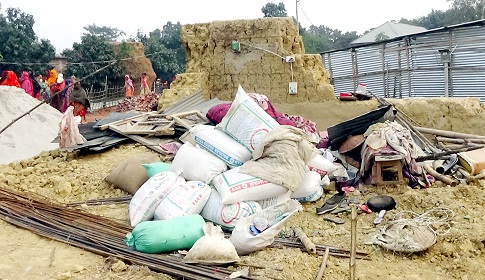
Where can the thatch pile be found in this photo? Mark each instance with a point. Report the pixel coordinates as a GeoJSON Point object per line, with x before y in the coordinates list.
{"type": "Point", "coordinates": [135, 67]}
{"type": "Point", "coordinates": [208, 52]}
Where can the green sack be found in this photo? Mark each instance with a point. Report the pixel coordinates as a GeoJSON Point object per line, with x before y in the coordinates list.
{"type": "Point", "coordinates": [166, 235]}
{"type": "Point", "coordinates": [156, 167]}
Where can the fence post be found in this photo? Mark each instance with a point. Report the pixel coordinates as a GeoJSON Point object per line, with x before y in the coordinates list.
{"type": "Point", "coordinates": [105, 91]}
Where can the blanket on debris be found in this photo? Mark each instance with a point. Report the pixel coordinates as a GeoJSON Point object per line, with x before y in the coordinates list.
{"type": "Point", "coordinates": [281, 157]}
{"type": "Point", "coordinates": [385, 137]}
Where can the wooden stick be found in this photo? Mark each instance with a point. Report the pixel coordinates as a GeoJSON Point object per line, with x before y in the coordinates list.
{"type": "Point", "coordinates": [426, 180]}
{"type": "Point", "coordinates": [309, 245]}
{"type": "Point", "coordinates": [406, 121]}
{"type": "Point", "coordinates": [439, 155]}
{"type": "Point", "coordinates": [323, 265]}
{"type": "Point", "coordinates": [460, 141]}
{"type": "Point", "coordinates": [449, 134]}
{"type": "Point", "coordinates": [353, 241]}
{"type": "Point", "coordinates": [438, 176]}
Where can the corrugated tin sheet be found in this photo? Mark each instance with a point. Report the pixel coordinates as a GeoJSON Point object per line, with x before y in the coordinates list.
{"type": "Point", "coordinates": [195, 101]}
{"type": "Point", "coordinates": [412, 65]}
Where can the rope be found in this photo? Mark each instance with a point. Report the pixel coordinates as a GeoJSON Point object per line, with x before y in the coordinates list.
{"type": "Point", "coordinates": [434, 219]}
{"type": "Point", "coordinates": [78, 63]}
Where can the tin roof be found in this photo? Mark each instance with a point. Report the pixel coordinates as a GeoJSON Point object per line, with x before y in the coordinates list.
{"type": "Point", "coordinates": [391, 29]}
{"type": "Point", "coordinates": [195, 101]}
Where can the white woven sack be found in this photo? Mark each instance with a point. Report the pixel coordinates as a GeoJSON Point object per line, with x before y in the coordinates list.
{"type": "Point", "coordinates": [245, 242]}
{"type": "Point", "coordinates": [320, 164]}
{"type": "Point", "coordinates": [150, 195]}
{"type": "Point", "coordinates": [246, 121]}
{"type": "Point", "coordinates": [197, 164]}
{"type": "Point", "coordinates": [227, 215]}
{"type": "Point", "coordinates": [310, 188]}
{"type": "Point", "coordinates": [234, 187]}
{"type": "Point", "coordinates": [277, 200]}
{"type": "Point", "coordinates": [187, 199]}
{"type": "Point", "coordinates": [220, 144]}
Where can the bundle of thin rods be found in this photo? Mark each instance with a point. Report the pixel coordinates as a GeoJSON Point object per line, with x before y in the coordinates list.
{"type": "Point", "coordinates": [333, 251]}
{"type": "Point", "coordinates": [93, 233]}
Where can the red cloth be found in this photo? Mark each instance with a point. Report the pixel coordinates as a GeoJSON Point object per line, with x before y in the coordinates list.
{"type": "Point", "coordinates": [11, 79]}
{"type": "Point", "coordinates": [217, 113]}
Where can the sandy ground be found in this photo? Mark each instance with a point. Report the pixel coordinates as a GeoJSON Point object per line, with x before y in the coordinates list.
{"type": "Point", "coordinates": [457, 255]}
{"type": "Point", "coordinates": [460, 254]}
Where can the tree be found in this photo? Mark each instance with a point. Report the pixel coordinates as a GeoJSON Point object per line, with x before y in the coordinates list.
{"type": "Point", "coordinates": [273, 10]}
{"type": "Point", "coordinates": [461, 11]}
{"type": "Point", "coordinates": [92, 53]}
{"type": "Point", "coordinates": [321, 38]}
{"type": "Point", "coordinates": [165, 50]}
{"type": "Point", "coordinates": [111, 34]}
{"type": "Point", "coordinates": [381, 37]}
{"type": "Point", "coordinates": [19, 43]}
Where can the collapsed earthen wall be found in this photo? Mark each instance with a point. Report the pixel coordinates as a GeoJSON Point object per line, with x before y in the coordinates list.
{"type": "Point", "coordinates": [258, 67]}
{"type": "Point", "coordinates": [465, 115]}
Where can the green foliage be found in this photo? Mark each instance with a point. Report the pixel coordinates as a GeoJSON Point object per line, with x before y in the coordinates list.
{"type": "Point", "coordinates": [19, 43]}
{"type": "Point", "coordinates": [381, 37]}
{"type": "Point", "coordinates": [165, 50]}
{"type": "Point", "coordinates": [109, 33]}
{"type": "Point", "coordinates": [461, 11]}
{"type": "Point", "coordinates": [273, 10]}
{"type": "Point", "coordinates": [321, 38]}
{"type": "Point", "coordinates": [93, 49]}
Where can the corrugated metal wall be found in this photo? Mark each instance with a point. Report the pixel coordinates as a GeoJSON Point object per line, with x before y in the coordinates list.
{"type": "Point", "coordinates": [412, 66]}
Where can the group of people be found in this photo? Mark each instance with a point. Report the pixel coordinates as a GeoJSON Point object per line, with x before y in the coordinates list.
{"type": "Point", "coordinates": [145, 86]}
{"type": "Point", "coordinates": [52, 88]}
{"type": "Point", "coordinates": [130, 87]}
{"type": "Point", "coordinates": [62, 93]}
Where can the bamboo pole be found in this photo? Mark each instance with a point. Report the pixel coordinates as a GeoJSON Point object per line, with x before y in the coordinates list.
{"type": "Point", "coordinates": [353, 241]}
{"type": "Point", "coordinates": [460, 141]}
{"type": "Point", "coordinates": [309, 245]}
{"type": "Point", "coordinates": [451, 151]}
{"type": "Point", "coordinates": [449, 134]}
{"type": "Point", "coordinates": [323, 265]}
{"type": "Point", "coordinates": [438, 176]}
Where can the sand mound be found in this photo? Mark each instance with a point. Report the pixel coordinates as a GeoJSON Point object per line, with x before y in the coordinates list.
{"type": "Point", "coordinates": [30, 135]}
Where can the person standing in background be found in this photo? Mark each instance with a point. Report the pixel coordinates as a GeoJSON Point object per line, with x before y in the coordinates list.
{"type": "Point", "coordinates": [27, 84]}
{"type": "Point", "coordinates": [9, 78]}
{"type": "Point", "coordinates": [145, 88]}
{"type": "Point", "coordinates": [78, 99]}
{"type": "Point", "coordinates": [35, 85]}
{"type": "Point", "coordinates": [52, 76]}
{"type": "Point", "coordinates": [129, 88]}
{"type": "Point", "coordinates": [57, 93]}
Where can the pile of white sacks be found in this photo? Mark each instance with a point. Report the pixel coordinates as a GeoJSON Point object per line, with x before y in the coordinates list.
{"type": "Point", "coordinates": [204, 179]}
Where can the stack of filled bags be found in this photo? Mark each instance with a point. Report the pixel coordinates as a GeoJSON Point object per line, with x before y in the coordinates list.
{"type": "Point", "coordinates": [248, 174]}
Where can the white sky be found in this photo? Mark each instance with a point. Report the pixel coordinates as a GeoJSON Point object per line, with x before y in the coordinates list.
{"type": "Point", "coordinates": [62, 22]}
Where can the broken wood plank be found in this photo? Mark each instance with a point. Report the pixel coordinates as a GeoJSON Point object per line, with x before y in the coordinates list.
{"type": "Point", "coordinates": [151, 144]}
{"type": "Point", "coordinates": [190, 119]}
{"type": "Point", "coordinates": [106, 126]}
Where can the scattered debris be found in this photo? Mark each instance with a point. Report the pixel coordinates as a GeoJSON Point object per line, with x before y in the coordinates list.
{"type": "Point", "coordinates": [141, 103]}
